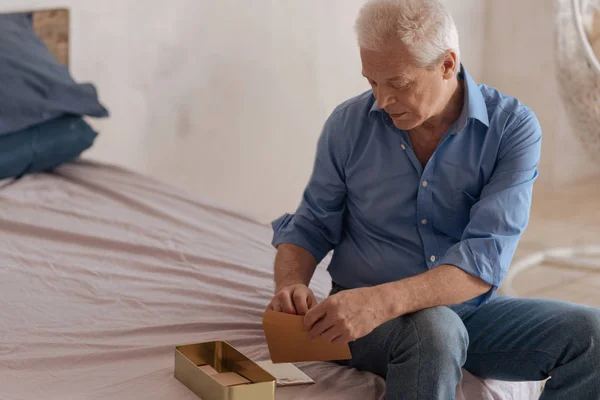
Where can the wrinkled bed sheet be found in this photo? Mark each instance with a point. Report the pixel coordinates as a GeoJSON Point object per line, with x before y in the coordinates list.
{"type": "Point", "coordinates": [103, 272]}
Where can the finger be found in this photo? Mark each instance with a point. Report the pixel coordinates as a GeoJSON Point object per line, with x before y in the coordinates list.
{"type": "Point", "coordinates": [300, 302]}
{"type": "Point", "coordinates": [313, 315]}
{"type": "Point", "coordinates": [274, 305]}
{"type": "Point", "coordinates": [332, 333]}
{"type": "Point", "coordinates": [343, 339]}
{"type": "Point", "coordinates": [312, 300]}
{"type": "Point", "coordinates": [286, 303]}
{"type": "Point", "coordinates": [321, 326]}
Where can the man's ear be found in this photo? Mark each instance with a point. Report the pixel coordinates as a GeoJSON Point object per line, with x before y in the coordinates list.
{"type": "Point", "coordinates": [449, 65]}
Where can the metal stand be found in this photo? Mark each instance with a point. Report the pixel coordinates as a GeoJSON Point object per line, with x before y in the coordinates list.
{"type": "Point", "coordinates": [583, 258]}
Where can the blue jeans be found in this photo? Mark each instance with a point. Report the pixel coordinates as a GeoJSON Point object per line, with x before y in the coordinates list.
{"type": "Point", "coordinates": [511, 339]}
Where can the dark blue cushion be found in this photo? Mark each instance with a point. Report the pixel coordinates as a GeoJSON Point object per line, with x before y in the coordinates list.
{"type": "Point", "coordinates": [34, 86]}
{"type": "Point", "coordinates": [44, 146]}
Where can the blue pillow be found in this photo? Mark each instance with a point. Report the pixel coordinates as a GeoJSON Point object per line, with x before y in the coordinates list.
{"type": "Point", "coordinates": [34, 86]}
{"type": "Point", "coordinates": [44, 146]}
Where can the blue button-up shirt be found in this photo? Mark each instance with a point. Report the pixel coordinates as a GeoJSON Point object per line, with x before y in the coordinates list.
{"type": "Point", "coordinates": [387, 218]}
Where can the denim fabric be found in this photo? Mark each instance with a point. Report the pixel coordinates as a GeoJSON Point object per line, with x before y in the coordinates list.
{"type": "Point", "coordinates": [34, 87]}
{"type": "Point", "coordinates": [511, 339]}
{"type": "Point", "coordinates": [44, 146]}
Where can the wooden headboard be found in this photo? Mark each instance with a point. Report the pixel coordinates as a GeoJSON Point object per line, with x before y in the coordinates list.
{"type": "Point", "coordinates": [52, 26]}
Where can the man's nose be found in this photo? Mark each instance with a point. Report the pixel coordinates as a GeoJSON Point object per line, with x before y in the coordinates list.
{"type": "Point", "coordinates": [385, 98]}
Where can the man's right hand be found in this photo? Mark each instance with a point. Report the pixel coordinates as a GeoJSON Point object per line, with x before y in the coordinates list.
{"type": "Point", "coordinates": [295, 299]}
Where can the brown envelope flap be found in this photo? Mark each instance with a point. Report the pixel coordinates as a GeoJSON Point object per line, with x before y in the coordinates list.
{"type": "Point", "coordinates": [288, 341]}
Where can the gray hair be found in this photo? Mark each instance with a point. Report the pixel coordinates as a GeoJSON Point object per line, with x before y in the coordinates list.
{"type": "Point", "coordinates": [425, 27]}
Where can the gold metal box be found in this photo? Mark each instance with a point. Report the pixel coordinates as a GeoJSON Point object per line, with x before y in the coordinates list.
{"type": "Point", "coordinates": [217, 371]}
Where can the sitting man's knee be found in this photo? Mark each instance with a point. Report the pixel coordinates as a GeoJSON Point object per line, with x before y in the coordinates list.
{"type": "Point", "coordinates": [583, 328]}
{"type": "Point", "coordinates": [441, 334]}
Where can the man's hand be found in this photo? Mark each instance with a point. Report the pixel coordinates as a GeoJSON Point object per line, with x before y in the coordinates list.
{"type": "Point", "coordinates": [295, 299]}
{"type": "Point", "coordinates": [347, 315]}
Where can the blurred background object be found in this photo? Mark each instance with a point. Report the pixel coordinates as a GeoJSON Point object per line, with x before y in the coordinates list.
{"type": "Point", "coordinates": [566, 265]}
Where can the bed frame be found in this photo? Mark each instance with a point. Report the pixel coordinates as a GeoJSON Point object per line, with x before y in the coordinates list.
{"type": "Point", "coordinates": [53, 27]}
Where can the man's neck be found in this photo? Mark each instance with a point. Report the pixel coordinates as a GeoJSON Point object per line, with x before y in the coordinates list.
{"type": "Point", "coordinates": [450, 113]}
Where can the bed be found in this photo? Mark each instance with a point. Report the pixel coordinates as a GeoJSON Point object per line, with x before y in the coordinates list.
{"type": "Point", "coordinates": [104, 271]}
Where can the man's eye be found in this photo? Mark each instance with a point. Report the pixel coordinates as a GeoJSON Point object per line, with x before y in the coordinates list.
{"type": "Point", "coordinates": [401, 87]}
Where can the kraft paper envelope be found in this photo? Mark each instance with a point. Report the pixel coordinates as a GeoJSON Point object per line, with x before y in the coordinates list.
{"type": "Point", "coordinates": [288, 341]}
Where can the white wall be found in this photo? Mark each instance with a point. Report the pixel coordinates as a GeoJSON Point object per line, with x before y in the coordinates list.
{"type": "Point", "coordinates": [470, 17]}
{"type": "Point", "coordinates": [223, 98]}
{"type": "Point", "coordinates": [519, 60]}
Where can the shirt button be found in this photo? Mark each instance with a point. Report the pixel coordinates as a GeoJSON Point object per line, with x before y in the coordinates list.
{"type": "Point", "coordinates": [425, 183]}
{"type": "Point", "coordinates": [424, 221]}
{"type": "Point", "coordinates": [432, 258]}
{"type": "Point", "coordinates": [403, 146]}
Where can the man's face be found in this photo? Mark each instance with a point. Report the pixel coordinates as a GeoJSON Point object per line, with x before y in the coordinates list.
{"type": "Point", "coordinates": [409, 94]}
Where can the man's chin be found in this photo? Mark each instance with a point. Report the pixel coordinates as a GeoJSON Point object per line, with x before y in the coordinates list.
{"type": "Point", "coordinates": [406, 125]}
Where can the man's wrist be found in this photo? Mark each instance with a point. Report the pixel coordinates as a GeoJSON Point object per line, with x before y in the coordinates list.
{"type": "Point", "coordinates": [394, 299]}
{"type": "Point", "coordinates": [282, 285]}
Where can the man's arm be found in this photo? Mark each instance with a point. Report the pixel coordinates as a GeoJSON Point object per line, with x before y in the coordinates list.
{"type": "Point", "coordinates": [352, 314]}
{"type": "Point", "coordinates": [293, 266]}
{"type": "Point", "coordinates": [443, 285]}
{"type": "Point", "coordinates": [317, 224]}
{"type": "Point", "coordinates": [303, 239]}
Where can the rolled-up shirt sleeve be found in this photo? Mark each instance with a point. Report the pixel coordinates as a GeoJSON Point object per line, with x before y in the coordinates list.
{"type": "Point", "coordinates": [499, 217]}
{"type": "Point", "coordinates": [317, 224]}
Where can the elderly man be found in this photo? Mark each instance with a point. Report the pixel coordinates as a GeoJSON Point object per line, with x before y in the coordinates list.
{"type": "Point", "coordinates": [422, 188]}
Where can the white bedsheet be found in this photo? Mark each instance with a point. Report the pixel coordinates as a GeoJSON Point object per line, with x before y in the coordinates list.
{"type": "Point", "coordinates": [103, 272]}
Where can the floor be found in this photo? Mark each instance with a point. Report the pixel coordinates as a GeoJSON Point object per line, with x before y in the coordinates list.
{"type": "Point", "coordinates": [570, 217]}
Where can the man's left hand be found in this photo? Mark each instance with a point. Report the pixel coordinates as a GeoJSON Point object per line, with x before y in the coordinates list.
{"type": "Point", "coordinates": [347, 315]}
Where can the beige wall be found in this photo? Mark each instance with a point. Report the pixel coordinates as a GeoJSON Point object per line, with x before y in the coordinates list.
{"type": "Point", "coordinates": [519, 60]}
{"type": "Point", "coordinates": [221, 98]}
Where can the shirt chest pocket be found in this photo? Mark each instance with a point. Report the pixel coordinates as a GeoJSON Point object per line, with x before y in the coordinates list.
{"type": "Point", "coordinates": [383, 198]}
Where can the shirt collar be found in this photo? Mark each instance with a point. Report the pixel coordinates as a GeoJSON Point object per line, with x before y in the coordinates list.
{"type": "Point", "coordinates": [474, 104]}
